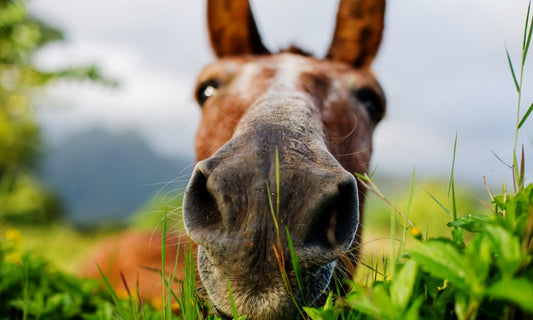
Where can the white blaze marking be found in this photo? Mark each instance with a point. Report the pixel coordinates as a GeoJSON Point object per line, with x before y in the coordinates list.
{"type": "Point", "coordinates": [245, 79]}
{"type": "Point", "coordinates": [288, 72]}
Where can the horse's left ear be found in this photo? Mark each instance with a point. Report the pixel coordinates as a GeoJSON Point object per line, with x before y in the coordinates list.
{"type": "Point", "coordinates": [232, 29]}
{"type": "Point", "coordinates": [358, 32]}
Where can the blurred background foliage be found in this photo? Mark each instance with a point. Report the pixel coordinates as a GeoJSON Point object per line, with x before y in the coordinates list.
{"type": "Point", "coordinates": [23, 198]}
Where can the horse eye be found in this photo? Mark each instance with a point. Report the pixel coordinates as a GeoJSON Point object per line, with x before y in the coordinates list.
{"type": "Point", "coordinates": [372, 102]}
{"type": "Point", "coordinates": [206, 90]}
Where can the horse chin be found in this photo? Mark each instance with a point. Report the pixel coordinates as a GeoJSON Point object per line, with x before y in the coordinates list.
{"type": "Point", "coordinates": [315, 287]}
{"type": "Point", "coordinates": [262, 302]}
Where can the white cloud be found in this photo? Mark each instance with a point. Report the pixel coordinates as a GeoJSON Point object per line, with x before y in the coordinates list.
{"type": "Point", "coordinates": [442, 65]}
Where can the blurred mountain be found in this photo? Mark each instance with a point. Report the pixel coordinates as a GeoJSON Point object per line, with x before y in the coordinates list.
{"type": "Point", "coordinates": [106, 176]}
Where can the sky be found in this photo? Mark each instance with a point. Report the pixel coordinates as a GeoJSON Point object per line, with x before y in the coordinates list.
{"type": "Point", "coordinates": [442, 65]}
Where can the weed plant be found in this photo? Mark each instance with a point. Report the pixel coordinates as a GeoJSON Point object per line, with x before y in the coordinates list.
{"type": "Point", "coordinates": [31, 289]}
{"type": "Point", "coordinates": [490, 276]}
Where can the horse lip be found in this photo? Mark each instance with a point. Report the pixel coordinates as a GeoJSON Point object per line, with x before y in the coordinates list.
{"type": "Point", "coordinates": [313, 286]}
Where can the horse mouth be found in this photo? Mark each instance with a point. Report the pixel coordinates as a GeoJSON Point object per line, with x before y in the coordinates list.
{"type": "Point", "coordinates": [272, 297]}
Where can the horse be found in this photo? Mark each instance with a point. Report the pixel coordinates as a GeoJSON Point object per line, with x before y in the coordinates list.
{"type": "Point", "coordinates": [280, 138]}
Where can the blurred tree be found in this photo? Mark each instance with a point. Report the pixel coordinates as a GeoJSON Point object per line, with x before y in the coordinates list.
{"type": "Point", "coordinates": [22, 197]}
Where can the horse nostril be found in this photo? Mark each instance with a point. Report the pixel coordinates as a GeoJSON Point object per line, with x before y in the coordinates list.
{"type": "Point", "coordinates": [336, 219]}
{"type": "Point", "coordinates": [200, 210]}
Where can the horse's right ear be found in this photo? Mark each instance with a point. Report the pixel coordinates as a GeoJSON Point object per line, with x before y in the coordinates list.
{"type": "Point", "coordinates": [358, 32]}
{"type": "Point", "coordinates": [232, 29]}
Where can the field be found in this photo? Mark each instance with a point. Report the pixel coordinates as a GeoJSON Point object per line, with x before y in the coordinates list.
{"type": "Point", "coordinates": [432, 249]}
{"type": "Point", "coordinates": [39, 260]}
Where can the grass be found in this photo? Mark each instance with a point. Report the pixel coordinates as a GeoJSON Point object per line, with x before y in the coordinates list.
{"type": "Point", "coordinates": [433, 252]}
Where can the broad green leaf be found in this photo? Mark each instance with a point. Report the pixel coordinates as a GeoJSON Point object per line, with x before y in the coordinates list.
{"type": "Point", "coordinates": [478, 258]}
{"type": "Point", "coordinates": [383, 301]}
{"type": "Point", "coordinates": [461, 305]}
{"type": "Point", "coordinates": [366, 302]}
{"type": "Point", "coordinates": [471, 222]}
{"type": "Point", "coordinates": [518, 209]}
{"type": "Point", "coordinates": [313, 313]}
{"type": "Point", "coordinates": [519, 291]}
{"type": "Point", "coordinates": [414, 310]}
{"type": "Point", "coordinates": [458, 236]}
{"type": "Point", "coordinates": [321, 314]}
{"type": "Point", "coordinates": [442, 260]}
{"type": "Point", "coordinates": [507, 248]}
{"type": "Point", "coordinates": [402, 285]}
{"type": "Point", "coordinates": [329, 302]}
{"type": "Point", "coordinates": [54, 302]}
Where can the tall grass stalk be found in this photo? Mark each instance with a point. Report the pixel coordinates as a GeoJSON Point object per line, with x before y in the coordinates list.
{"type": "Point", "coordinates": [118, 305]}
{"type": "Point", "coordinates": [133, 305]}
{"type": "Point", "coordinates": [278, 247]}
{"type": "Point", "coordinates": [451, 185]}
{"type": "Point", "coordinates": [164, 296]}
{"type": "Point", "coordinates": [369, 184]}
{"type": "Point", "coordinates": [188, 299]}
{"type": "Point", "coordinates": [518, 170]}
{"type": "Point", "coordinates": [392, 260]}
{"type": "Point", "coordinates": [407, 212]}
{"type": "Point", "coordinates": [25, 286]}
{"type": "Point", "coordinates": [169, 293]}
{"type": "Point", "coordinates": [232, 301]}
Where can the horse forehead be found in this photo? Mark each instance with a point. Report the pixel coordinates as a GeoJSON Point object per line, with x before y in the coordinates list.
{"type": "Point", "coordinates": [282, 72]}
{"type": "Point", "coordinates": [285, 66]}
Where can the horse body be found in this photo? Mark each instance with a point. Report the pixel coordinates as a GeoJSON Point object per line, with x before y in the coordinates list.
{"type": "Point", "coordinates": [280, 138]}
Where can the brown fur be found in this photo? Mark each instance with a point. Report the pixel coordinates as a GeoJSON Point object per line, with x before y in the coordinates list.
{"type": "Point", "coordinates": [137, 255]}
{"type": "Point", "coordinates": [232, 28]}
{"type": "Point", "coordinates": [358, 32]}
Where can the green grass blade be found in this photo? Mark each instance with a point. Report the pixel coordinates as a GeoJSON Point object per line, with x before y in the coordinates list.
{"type": "Point", "coordinates": [521, 176]}
{"type": "Point", "coordinates": [166, 304]}
{"type": "Point", "coordinates": [232, 301]}
{"type": "Point", "coordinates": [277, 182]}
{"type": "Point", "coordinates": [171, 294]}
{"type": "Point", "coordinates": [118, 305]}
{"type": "Point", "coordinates": [403, 284]}
{"type": "Point", "coordinates": [525, 26]}
{"type": "Point", "coordinates": [525, 43]}
{"type": "Point", "coordinates": [452, 172]}
{"type": "Point", "coordinates": [451, 186]}
{"type": "Point", "coordinates": [517, 86]}
{"type": "Point", "coordinates": [361, 176]}
{"type": "Point", "coordinates": [373, 172]}
{"type": "Point", "coordinates": [25, 288]}
{"type": "Point", "coordinates": [442, 260]}
{"type": "Point", "coordinates": [133, 306]}
{"type": "Point", "coordinates": [393, 243]}
{"type": "Point", "coordinates": [272, 212]}
{"type": "Point", "coordinates": [439, 203]}
{"type": "Point", "coordinates": [514, 290]}
{"type": "Point", "coordinates": [528, 43]}
{"type": "Point", "coordinates": [409, 203]}
{"type": "Point", "coordinates": [295, 262]}
{"type": "Point", "coordinates": [528, 112]}
{"type": "Point", "coordinates": [188, 301]}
